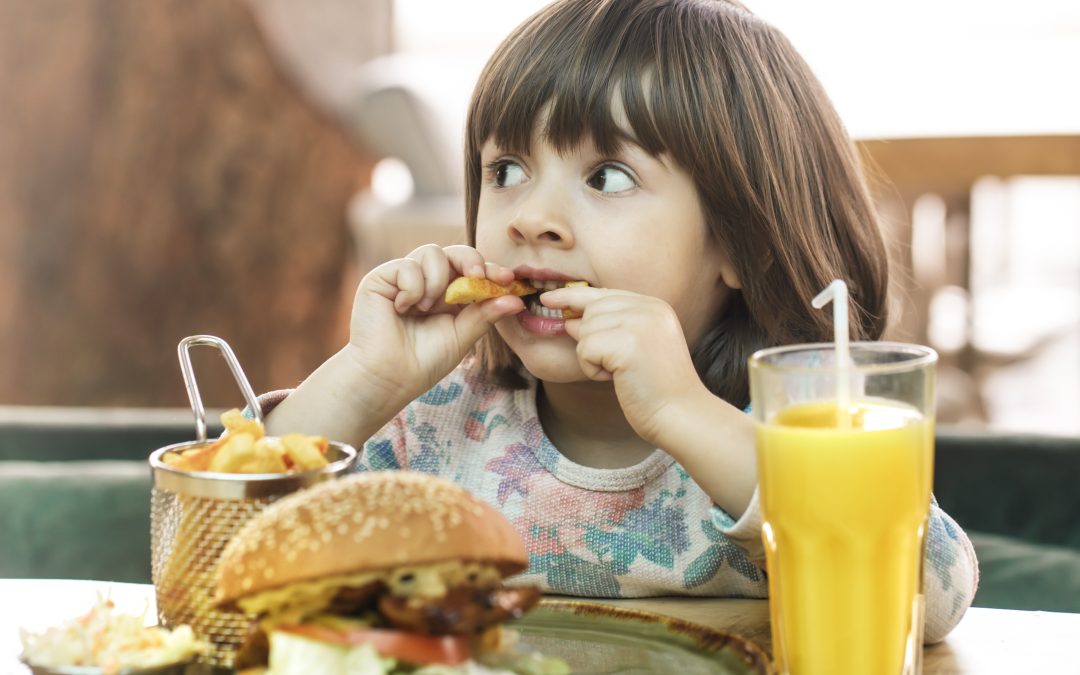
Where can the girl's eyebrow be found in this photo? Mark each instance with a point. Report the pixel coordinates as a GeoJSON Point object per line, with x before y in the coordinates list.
{"type": "Point", "coordinates": [625, 141]}
{"type": "Point", "coordinates": [625, 136]}
{"type": "Point", "coordinates": [622, 143]}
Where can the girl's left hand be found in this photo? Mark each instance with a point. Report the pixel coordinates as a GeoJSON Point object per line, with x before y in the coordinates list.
{"type": "Point", "coordinates": [637, 342]}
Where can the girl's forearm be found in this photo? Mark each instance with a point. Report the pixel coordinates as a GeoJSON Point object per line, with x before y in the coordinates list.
{"type": "Point", "coordinates": [339, 401]}
{"type": "Point", "coordinates": [714, 442]}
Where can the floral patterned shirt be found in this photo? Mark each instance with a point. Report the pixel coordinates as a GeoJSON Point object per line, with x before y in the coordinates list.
{"type": "Point", "coordinates": [643, 530]}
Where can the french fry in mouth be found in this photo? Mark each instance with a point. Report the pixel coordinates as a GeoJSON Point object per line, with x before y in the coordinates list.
{"type": "Point", "coordinates": [466, 290]}
{"type": "Point", "coordinates": [571, 313]}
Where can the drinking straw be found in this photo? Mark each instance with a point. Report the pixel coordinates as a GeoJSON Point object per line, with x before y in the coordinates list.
{"type": "Point", "coordinates": [837, 293]}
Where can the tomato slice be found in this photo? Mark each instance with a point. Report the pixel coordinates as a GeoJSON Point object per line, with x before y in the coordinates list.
{"type": "Point", "coordinates": [421, 650]}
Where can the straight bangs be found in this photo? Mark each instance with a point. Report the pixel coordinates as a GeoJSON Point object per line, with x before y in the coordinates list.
{"type": "Point", "coordinates": [590, 71]}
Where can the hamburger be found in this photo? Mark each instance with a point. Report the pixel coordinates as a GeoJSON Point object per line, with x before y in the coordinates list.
{"type": "Point", "coordinates": [379, 573]}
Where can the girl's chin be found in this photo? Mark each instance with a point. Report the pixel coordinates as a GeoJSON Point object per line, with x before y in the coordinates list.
{"type": "Point", "coordinates": [551, 358]}
{"type": "Point", "coordinates": [554, 371]}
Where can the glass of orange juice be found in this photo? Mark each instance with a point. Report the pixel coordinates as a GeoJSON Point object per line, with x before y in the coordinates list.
{"type": "Point", "coordinates": [845, 452]}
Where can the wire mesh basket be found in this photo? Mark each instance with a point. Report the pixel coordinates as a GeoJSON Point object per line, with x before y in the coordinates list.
{"type": "Point", "coordinates": [193, 515]}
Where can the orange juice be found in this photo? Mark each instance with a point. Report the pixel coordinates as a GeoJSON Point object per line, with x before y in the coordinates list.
{"type": "Point", "coordinates": [845, 503]}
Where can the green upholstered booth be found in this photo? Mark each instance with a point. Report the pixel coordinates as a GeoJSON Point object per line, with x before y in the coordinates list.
{"type": "Point", "coordinates": [75, 494]}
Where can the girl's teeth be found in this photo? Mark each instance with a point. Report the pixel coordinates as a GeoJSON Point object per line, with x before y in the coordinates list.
{"type": "Point", "coordinates": [536, 309]}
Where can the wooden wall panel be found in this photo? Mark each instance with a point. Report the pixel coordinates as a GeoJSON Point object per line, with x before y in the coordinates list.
{"type": "Point", "coordinates": [160, 177]}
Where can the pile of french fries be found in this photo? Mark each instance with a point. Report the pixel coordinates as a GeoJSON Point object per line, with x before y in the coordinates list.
{"type": "Point", "coordinates": [245, 448]}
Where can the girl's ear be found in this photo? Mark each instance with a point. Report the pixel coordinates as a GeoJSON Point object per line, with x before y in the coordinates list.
{"type": "Point", "coordinates": [729, 276]}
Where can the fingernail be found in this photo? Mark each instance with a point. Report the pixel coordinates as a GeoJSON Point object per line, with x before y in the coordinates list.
{"type": "Point", "coordinates": [425, 305]}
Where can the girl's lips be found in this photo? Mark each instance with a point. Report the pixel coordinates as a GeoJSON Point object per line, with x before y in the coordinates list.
{"type": "Point", "coordinates": [541, 325]}
{"type": "Point", "coordinates": [541, 274]}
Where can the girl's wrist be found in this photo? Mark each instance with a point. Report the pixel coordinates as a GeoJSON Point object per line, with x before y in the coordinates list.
{"type": "Point", "coordinates": [680, 414]}
{"type": "Point", "coordinates": [379, 395]}
{"type": "Point", "coordinates": [714, 441]}
{"type": "Point", "coordinates": [338, 400]}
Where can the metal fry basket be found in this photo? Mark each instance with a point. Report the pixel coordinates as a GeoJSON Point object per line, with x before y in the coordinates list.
{"type": "Point", "coordinates": [193, 515]}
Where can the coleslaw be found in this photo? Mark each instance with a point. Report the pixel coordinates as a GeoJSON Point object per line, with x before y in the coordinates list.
{"type": "Point", "coordinates": [110, 641]}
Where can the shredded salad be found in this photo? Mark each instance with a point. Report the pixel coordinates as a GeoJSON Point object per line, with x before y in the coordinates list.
{"type": "Point", "coordinates": [113, 642]}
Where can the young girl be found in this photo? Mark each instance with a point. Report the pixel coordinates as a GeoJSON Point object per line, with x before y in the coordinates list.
{"type": "Point", "coordinates": [679, 157]}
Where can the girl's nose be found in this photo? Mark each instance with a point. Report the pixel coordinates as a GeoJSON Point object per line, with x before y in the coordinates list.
{"type": "Point", "coordinates": [540, 225]}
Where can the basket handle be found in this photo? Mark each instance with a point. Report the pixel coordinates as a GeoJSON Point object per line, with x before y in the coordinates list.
{"type": "Point", "coordinates": [184, 351]}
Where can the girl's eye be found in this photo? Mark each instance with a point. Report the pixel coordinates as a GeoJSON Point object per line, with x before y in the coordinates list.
{"type": "Point", "coordinates": [506, 173]}
{"type": "Point", "coordinates": [611, 179]}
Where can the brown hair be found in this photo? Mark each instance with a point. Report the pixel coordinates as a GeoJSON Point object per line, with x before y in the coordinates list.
{"type": "Point", "coordinates": [726, 96]}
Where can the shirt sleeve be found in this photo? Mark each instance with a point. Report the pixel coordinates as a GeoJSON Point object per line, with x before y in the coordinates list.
{"type": "Point", "coordinates": [268, 401]}
{"type": "Point", "coordinates": [950, 574]}
{"type": "Point", "coordinates": [744, 532]}
{"type": "Point", "coordinates": [950, 569]}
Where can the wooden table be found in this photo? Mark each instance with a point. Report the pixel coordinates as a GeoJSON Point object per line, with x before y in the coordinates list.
{"type": "Point", "coordinates": [987, 641]}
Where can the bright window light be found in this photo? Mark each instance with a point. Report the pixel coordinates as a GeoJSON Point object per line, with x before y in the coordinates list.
{"type": "Point", "coordinates": [916, 68]}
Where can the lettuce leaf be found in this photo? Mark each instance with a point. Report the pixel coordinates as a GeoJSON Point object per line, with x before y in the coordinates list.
{"type": "Point", "coordinates": [295, 655]}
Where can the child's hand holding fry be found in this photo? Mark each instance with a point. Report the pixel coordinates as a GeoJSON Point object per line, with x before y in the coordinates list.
{"type": "Point", "coordinates": [404, 337]}
{"type": "Point", "coordinates": [404, 333]}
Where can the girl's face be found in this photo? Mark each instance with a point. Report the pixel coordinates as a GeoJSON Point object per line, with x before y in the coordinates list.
{"type": "Point", "coordinates": [628, 221]}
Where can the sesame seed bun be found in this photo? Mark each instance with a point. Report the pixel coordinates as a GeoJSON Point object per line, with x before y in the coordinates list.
{"type": "Point", "coordinates": [365, 523]}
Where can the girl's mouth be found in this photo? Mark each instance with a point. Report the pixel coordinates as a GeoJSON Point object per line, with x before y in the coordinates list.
{"type": "Point", "coordinates": [540, 320]}
{"type": "Point", "coordinates": [533, 306]}
{"type": "Point", "coordinates": [541, 325]}
{"type": "Point", "coordinates": [532, 302]}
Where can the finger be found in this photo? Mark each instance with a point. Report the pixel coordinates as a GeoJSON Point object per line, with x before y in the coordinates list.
{"type": "Point", "coordinates": [602, 317]}
{"type": "Point", "coordinates": [591, 361]}
{"type": "Point", "coordinates": [601, 354]}
{"type": "Point", "coordinates": [383, 280]}
{"type": "Point", "coordinates": [577, 297]}
{"type": "Point", "coordinates": [573, 328]}
{"type": "Point", "coordinates": [436, 270]}
{"type": "Point", "coordinates": [474, 320]}
{"type": "Point", "coordinates": [466, 261]}
{"type": "Point", "coordinates": [500, 274]}
{"type": "Point", "coordinates": [420, 251]}
{"type": "Point", "coordinates": [409, 279]}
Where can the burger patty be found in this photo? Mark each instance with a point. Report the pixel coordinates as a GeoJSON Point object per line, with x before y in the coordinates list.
{"type": "Point", "coordinates": [353, 600]}
{"type": "Point", "coordinates": [462, 611]}
{"type": "Point", "coordinates": [465, 610]}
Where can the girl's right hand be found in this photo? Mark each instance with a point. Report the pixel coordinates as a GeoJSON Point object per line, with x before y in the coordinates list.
{"type": "Point", "coordinates": [403, 336]}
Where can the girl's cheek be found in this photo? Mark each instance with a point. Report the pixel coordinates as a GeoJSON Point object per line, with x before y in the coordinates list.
{"type": "Point", "coordinates": [485, 237]}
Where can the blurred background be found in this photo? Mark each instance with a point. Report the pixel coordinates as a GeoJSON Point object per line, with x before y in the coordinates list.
{"type": "Point", "coordinates": [233, 167]}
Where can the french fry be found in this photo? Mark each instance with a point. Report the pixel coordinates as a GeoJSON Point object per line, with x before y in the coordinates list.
{"type": "Point", "coordinates": [306, 452]}
{"type": "Point", "coordinates": [243, 454]}
{"type": "Point", "coordinates": [235, 423]}
{"type": "Point", "coordinates": [245, 448]}
{"type": "Point", "coordinates": [269, 457]}
{"type": "Point", "coordinates": [570, 313]}
{"type": "Point", "coordinates": [193, 459]}
{"type": "Point", "coordinates": [466, 290]}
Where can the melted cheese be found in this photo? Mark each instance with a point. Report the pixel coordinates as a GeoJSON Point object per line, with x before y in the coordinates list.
{"type": "Point", "coordinates": [302, 599]}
